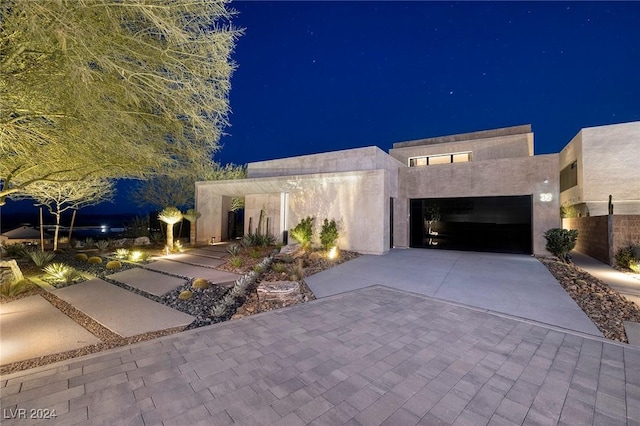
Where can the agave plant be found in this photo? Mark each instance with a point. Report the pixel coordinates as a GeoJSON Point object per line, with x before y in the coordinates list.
{"type": "Point", "coordinates": [102, 245]}
{"type": "Point", "coordinates": [170, 216]}
{"type": "Point", "coordinates": [233, 249]}
{"type": "Point", "coordinates": [62, 273]}
{"type": "Point", "coordinates": [219, 310]}
{"type": "Point", "coordinates": [40, 258]}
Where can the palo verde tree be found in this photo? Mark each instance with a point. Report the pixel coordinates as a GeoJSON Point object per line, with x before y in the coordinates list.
{"type": "Point", "coordinates": [162, 191]}
{"type": "Point", "coordinates": [111, 89]}
{"type": "Point", "coordinates": [59, 197]}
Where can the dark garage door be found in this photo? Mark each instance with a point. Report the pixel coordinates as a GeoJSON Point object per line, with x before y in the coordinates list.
{"type": "Point", "coordinates": [498, 224]}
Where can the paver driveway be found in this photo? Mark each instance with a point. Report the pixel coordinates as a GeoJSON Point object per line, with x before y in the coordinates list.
{"type": "Point", "coordinates": [367, 357]}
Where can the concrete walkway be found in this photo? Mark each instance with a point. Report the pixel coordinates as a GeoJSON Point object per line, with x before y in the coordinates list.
{"type": "Point", "coordinates": [515, 285]}
{"type": "Point", "coordinates": [368, 357]}
{"type": "Point", "coordinates": [32, 327]}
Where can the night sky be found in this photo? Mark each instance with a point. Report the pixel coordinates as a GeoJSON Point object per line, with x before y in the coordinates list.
{"type": "Point", "coordinates": [321, 76]}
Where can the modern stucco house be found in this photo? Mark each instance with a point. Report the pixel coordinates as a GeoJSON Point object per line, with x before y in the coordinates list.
{"type": "Point", "coordinates": [484, 190]}
{"type": "Point", "coordinates": [598, 162]}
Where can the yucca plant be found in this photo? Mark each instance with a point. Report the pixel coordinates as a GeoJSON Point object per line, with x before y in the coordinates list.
{"type": "Point", "coordinates": [40, 258]}
{"type": "Point", "coordinates": [191, 215]}
{"type": "Point", "coordinates": [170, 216]}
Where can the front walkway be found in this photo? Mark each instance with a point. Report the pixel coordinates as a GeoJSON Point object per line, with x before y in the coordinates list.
{"type": "Point", "coordinates": [517, 285]}
{"type": "Point", "coordinates": [367, 357]}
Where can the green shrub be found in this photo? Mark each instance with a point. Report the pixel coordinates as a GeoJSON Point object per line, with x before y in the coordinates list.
{"type": "Point", "coordinates": [185, 295]}
{"type": "Point", "coordinates": [561, 241]}
{"type": "Point", "coordinates": [297, 271]}
{"type": "Point", "coordinates": [17, 288]}
{"type": "Point", "coordinates": [62, 273]}
{"type": "Point", "coordinates": [16, 250]}
{"type": "Point", "coordinates": [278, 267]}
{"type": "Point", "coordinates": [139, 256]}
{"type": "Point", "coordinates": [200, 283]}
{"type": "Point", "coordinates": [303, 232]}
{"type": "Point", "coordinates": [328, 234]}
{"type": "Point", "coordinates": [236, 261]}
{"type": "Point", "coordinates": [113, 264]}
{"type": "Point", "coordinates": [40, 258]}
{"type": "Point", "coordinates": [259, 269]}
{"type": "Point", "coordinates": [624, 257]}
{"type": "Point", "coordinates": [634, 265]}
{"type": "Point", "coordinates": [89, 243]}
{"type": "Point", "coordinates": [156, 238]}
{"type": "Point", "coordinates": [82, 257]}
{"type": "Point", "coordinates": [255, 253]}
{"type": "Point", "coordinates": [94, 260]}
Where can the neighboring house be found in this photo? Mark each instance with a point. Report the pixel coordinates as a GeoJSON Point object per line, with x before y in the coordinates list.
{"type": "Point", "coordinates": [23, 235]}
{"type": "Point", "coordinates": [479, 191]}
{"type": "Point", "coordinates": [598, 162]}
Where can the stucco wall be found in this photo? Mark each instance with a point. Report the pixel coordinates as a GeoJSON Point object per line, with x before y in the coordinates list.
{"type": "Point", "coordinates": [515, 176]}
{"type": "Point", "coordinates": [593, 235]}
{"type": "Point", "coordinates": [270, 203]}
{"type": "Point", "coordinates": [368, 158]}
{"type": "Point", "coordinates": [602, 236]}
{"type": "Point", "coordinates": [608, 164]}
{"type": "Point", "coordinates": [481, 149]}
{"type": "Point", "coordinates": [357, 203]}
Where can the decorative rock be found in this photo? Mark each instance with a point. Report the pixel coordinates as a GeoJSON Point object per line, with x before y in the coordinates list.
{"type": "Point", "coordinates": [280, 291]}
{"type": "Point", "coordinates": [290, 248]}
{"type": "Point", "coordinates": [13, 274]}
{"type": "Point", "coordinates": [141, 241]}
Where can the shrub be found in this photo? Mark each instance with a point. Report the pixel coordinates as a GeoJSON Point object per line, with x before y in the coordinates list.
{"type": "Point", "coordinates": [561, 241]}
{"type": "Point", "coordinates": [17, 288]}
{"type": "Point", "coordinates": [15, 250]}
{"type": "Point", "coordinates": [255, 253]}
{"type": "Point", "coordinates": [156, 238]}
{"type": "Point", "coordinates": [297, 271]}
{"type": "Point", "coordinates": [328, 234]}
{"type": "Point", "coordinates": [200, 283]}
{"type": "Point", "coordinates": [40, 258]}
{"type": "Point", "coordinates": [259, 269]}
{"type": "Point", "coordinates": [139, 256]}
{"type": "Point", "coordinates": [624, 257]}
{"type": "Point", "coordinates": [185, 295]}
{"type": "Point", "coordinates": [303, 232]}
{"type": "Point", "coordinates": [94, 260]}
{"type": "Point", "coordinates": [62, 273]}
{"type": "Point", "coordinates": [82, 257]}
{"type": "Point", "coordinates": [113, 264]}
{"type": "Point", "coordinates": [89, 243]}
{"type": "Point", "coordinates": [634, 265]}
{"type": "Point", "coordinates": [236, 261]}
{"type": "Point", "coordinates": [233, 249]}
{"type": "Point", "coordinates": [278, 267]}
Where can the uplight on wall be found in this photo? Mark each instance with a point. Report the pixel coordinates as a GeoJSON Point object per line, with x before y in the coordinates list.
{"type": "Point", "coordinates": [546, 197]}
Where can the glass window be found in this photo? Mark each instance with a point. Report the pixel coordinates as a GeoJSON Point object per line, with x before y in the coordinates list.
{"type": "Point", "coordinates": [461, 158]}
{"type": "Point", "coordinates": [440, 159]}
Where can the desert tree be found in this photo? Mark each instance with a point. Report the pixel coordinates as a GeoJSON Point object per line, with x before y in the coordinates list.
{"type": "Point", "coordinates": [59, 197]}
{"type": "Point", "coordinates": [161, 191]}
{"type": "Point", "coordinates": [111, 89]}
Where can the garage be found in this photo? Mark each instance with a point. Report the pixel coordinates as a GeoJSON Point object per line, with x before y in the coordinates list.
{"type": "Point", "coordinates": [493, 224]}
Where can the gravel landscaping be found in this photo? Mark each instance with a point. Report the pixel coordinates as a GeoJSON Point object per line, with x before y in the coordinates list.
{"type": "Point", "coordinates": [606, 308]}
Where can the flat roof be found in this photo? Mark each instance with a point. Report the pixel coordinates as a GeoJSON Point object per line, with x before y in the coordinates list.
{"type": "Point", "coordinates": [482, 134]}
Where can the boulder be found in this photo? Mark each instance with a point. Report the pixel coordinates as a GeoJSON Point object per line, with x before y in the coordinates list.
{"type": "Point", "coordinates": [141, 241]}
{"type": "Point", "coordinates": [285, 292]}
{"type": "Point", "coordinates": [10, 272]}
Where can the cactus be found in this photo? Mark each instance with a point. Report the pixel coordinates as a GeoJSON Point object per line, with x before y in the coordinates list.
{"type": "Point", "coordinates": [200, 283]}
{"type": "Point", "coordinates": [113, 264]}
{"type": "Point", "coordinates": [185, 295]}
{"type": "Point", "coordinates": [95, 260]}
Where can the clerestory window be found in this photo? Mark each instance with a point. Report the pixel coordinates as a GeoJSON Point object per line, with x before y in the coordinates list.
{"type": "Point", "coordinates": [429, 160]}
